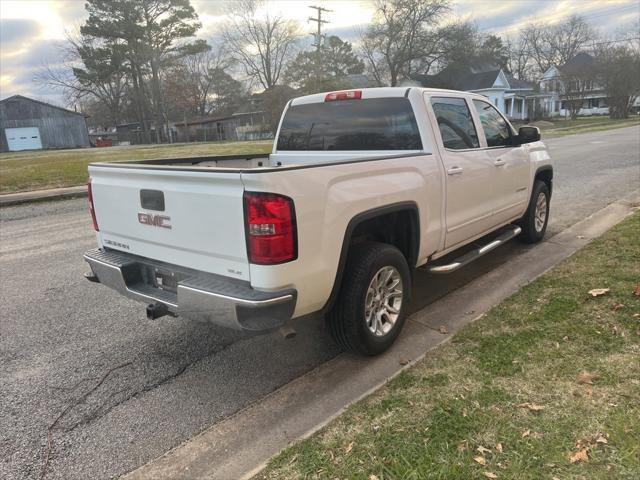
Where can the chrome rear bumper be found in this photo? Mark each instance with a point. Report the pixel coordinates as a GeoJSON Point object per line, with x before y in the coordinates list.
{"type": "Point", "coordinates": [192, 294]}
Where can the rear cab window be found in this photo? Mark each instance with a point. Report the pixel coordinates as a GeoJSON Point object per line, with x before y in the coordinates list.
{"type": "Point", "coordinates": [362, 124]}
{"type": "Point", "coordinates": [455, 123]}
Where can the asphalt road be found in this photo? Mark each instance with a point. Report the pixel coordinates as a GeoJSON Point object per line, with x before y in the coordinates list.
{"type": "Point", "coordinates": [59, 334]}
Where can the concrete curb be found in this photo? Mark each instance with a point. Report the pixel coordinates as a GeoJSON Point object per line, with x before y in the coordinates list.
{"type": "Point", "coordinates": [9, 199]}
{"type": "Point", "coordinates": [240, 445]}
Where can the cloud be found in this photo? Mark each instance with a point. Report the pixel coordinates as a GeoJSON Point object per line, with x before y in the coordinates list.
{"type": "Point", "coordinates": [16, 32]}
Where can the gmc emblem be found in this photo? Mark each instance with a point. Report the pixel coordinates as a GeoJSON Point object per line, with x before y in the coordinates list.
{"type": "Point", "coordinates": [154, 220]}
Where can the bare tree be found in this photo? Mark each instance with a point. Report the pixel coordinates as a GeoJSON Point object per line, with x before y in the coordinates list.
{"type": "Point", "coordinates": [90, 70]}
{"type": "Point", "coordinates": [519, 61]}
{"type": "Point", "coordinates": [557, 44]}
{"type": "Point", "coordinates": [576, 81]}
{"type": "Point", "coordinates": [262, 42]}
{"type": "Point", "coordinates": [618, 72]}
{"type": "Point", "coordinates": [403, 38]}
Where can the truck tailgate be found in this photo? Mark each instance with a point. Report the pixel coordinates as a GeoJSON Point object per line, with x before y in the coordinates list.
{"type": "Point", "coordinates": [200, 225]}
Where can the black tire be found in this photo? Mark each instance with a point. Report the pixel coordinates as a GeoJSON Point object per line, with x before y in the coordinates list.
{"type": "Point", "coordinates": [533, 232]}
{"type": "Point", "coordinates": [346, 320]}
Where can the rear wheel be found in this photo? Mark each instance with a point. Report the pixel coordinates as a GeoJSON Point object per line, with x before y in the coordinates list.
{"type": "Point", "coordinates": [371, 306]}
{"type": "Point", "coordinates": [534, 222]}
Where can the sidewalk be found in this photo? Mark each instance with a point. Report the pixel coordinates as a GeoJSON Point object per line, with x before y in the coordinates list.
{"type": "Point", "coordinates": [40, 195]}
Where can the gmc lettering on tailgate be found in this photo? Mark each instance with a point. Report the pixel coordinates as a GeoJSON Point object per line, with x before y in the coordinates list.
{"type": "Point", "coordinates": [154, 220]}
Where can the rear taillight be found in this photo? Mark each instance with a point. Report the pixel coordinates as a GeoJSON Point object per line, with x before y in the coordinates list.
{"type": "Point", "coordinates": [91, 208]}
{"type": "Point", "coordinates": [343, 95]}
{"type": "Point", "coordinates": [271, 228]}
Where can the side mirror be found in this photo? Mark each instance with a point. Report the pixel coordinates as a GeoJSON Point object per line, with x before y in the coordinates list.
{"type": "Point", "coordinates": [528, 135]}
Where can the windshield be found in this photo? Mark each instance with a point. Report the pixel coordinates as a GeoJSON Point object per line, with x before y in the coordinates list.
{"type": "Point", "coordinates": [369, 124]}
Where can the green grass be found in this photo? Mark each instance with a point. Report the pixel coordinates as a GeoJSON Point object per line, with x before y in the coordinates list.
{"type": "Point", "coordinates": [24, 171]}
{"type": "Point", "coordinates": [584, 125]}
{"type": "Point", "coordinates": [430, 421]}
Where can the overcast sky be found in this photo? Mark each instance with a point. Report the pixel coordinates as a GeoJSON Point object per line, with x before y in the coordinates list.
{"type": "Point", "coordinates": [32, 31]}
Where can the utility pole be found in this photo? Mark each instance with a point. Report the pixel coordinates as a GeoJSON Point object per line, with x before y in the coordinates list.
{"type": "Point", "coordinates": [318, 40]}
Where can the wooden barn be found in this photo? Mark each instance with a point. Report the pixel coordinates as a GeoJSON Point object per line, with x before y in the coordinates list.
{"type": "Point", "coordinates": [27, 124]}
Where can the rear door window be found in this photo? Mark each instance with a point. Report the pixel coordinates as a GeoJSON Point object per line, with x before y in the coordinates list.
{"type": "Point", "coordinates": [496, 130]}
{"type": "Point", "coordinates": [455, 123]}
{"type": "Point", "coordinates": [367, 124]}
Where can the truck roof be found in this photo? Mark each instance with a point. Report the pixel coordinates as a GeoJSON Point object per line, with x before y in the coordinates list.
{"type": "Point", "coordinates": [380, 92]}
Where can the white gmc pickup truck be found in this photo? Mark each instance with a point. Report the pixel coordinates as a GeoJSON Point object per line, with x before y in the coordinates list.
{"type": "Point", "coordinates": [362, 187]}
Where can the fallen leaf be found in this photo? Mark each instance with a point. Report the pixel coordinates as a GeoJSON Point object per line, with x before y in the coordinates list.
{"type": "Point", "coordinates": [481, 460]}
{"type": "Point", "coordinates": [404, 361]}
{"type": "Point", "coordinates": [373, 477]}
{"type": "Point", "coordinates": [349, 448]}
{"type": "Point", "coordinates": [585, 377]}
{"type": "Point", "coordinates": [531, 406]}
{"type": "Point", "coordinates": [526, 433]}
{"type": "Point", "coordinates": [617, 306]}
{"type": "Point", "coordinates": [489, 474]}
{"type": "Point", "coordinates": [443, 329]}
{"type": "Point", "coordinates": [462, 446]}
{"type": "Point", "coordinates": [636, 292]}
{"type": "Point", "coordinates": [602, 439]}
{"type": "Point", "coordinates": [589, 392]}
{"type": "Point", "coordinates": [597, 292]}
{"type": "Point", "coordinates": [483, 450]}
{"type": "Point", "coordinates": [579, 456]}
{"type": "Point", "coordinates": [499, 447]}
{"type": "Point", "coordinates": [464, 412]}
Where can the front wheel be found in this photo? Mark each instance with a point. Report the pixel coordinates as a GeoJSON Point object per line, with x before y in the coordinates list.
{"type": "Point", "coordinates": [372, 304]}
{"type": "Point", "coordinates": [534, 222]}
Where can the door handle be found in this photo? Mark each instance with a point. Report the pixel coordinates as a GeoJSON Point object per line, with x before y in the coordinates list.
{"type": "Point", "coordinates": [454, 171]}
{"type": "Point", "coordinates": [499, 162]}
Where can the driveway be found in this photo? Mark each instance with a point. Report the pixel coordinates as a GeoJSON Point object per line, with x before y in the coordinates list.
{"type": "Point", "coordinates": [59, 334]}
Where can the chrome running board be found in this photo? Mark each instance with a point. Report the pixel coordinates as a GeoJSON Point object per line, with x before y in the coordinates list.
{"type": "Point", "coordinates": [469, 257]}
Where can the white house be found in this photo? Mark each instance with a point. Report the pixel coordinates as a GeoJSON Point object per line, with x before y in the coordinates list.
{"type": "Point", "coordinates": [513, 97]}
{"type": "Point", "coordinates": [551, 91]}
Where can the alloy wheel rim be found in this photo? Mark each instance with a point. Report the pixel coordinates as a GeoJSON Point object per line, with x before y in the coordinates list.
{"type": "Point", "coordinates": [383, 301]}
{"type": "Point", "coordinates": [541, 212]}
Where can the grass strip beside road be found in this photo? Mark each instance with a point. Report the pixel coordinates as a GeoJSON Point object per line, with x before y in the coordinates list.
{"type": "Point", "coordinates": [585, 124]}
{"type": "Point", "coordinates": [38, 170]}
{"type": "Point", "coordinates": [545, 386]}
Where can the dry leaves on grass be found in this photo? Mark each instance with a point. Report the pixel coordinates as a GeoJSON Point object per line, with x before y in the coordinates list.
{"type": "Point", "coordinates": [636, 291]}
{"type": "Point", "coordinates": [579, 456]}
{"type": "Point", "coordinates": [348, 448]}
{"type": "Point", "coordinates": [587, 378]}
{"type": "Point", "coordinates": [584, 445]}
{"type": "Point", "coordinates": [481, 450]}
{"type": "Point", "coordinates": [598, 292]}
{"type": "Point", "coordinates": [532, 407]}
{"type": "Point", "coordinates": [489, 474]}
{"type": "Point", "coordinates": [592, 440]}
{"type": "Point", "coordinates": [480, 459]}
{"type": "Point", "coordinates": [373, 477]}
{"type": "Point", "coordinates": [526, 433]}
{"type": "Point", "coordinates": [499, 447]}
